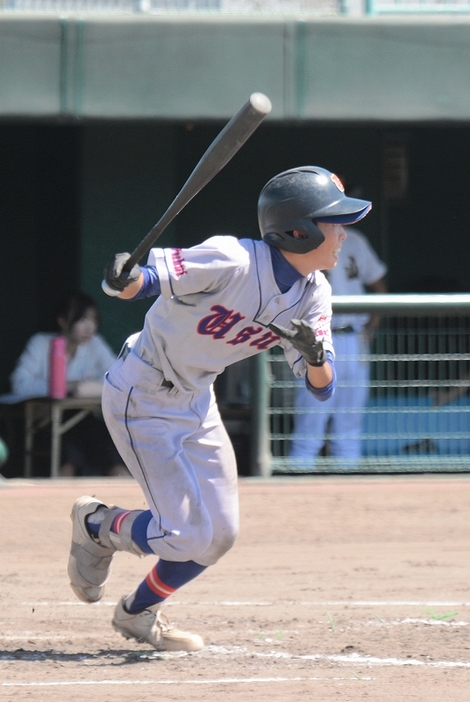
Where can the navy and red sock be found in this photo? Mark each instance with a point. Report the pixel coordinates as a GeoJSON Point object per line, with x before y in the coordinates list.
{"type": "Point", "coordinates": [164, 578]}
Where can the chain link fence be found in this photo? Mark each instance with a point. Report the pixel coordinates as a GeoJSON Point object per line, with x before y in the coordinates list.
{"type": "Point", "coordinates": [417, 418]}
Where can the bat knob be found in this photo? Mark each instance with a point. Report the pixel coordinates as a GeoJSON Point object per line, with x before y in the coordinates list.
{"type": "Point", "coordinates": [261, 103]}
{"type": "Point", "coordinates": [109, 291]}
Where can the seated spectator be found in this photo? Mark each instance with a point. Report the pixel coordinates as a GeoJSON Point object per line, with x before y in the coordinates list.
{"type": "Point", "coordinates": [87, 448]}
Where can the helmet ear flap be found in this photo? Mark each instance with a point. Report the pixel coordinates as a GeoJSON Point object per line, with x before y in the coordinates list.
{"type": "Point", "coordinates": [282, 236]}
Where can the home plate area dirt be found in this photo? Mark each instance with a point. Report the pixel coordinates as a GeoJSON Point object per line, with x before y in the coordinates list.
{"type": "Point", "coordinates": [338, 588]}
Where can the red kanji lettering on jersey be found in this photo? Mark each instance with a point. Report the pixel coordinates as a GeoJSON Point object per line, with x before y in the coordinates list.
{"type": "Point", "coordinates": [245, 335]}
{"type": "Point", "coordinates": [265, 341]}
{"type": "Point", "coordinates": [219, 323]}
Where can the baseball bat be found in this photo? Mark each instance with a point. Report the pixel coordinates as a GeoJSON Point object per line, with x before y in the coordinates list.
{"type": "Point", "coordinates": [223, 148]}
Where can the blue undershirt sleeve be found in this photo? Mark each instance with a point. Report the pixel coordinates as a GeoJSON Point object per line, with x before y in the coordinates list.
{"type": "Point", "coordinates": [151, 285]}
{"type": "Point", "coordinates": [325, 393]}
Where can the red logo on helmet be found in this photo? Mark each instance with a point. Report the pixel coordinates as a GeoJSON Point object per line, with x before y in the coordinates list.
{"type": "Point", "coordinates": [337, 182]}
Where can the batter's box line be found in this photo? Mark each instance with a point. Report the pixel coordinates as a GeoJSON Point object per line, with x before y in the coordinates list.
{"type": "Point", "coordinates": [351, 659]}
{"type": "Point", "coordinates": [261, 603]}
{"type": "Point", "coordinates": [215, 681]}
{"type": "Point", "coordinates": [358, 626]}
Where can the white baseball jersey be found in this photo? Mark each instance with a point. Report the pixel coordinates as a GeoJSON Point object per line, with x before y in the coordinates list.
{"type": "Point", "coordinates": [357, 267]}
{"type": "Point", "coordinates": [216, 303]}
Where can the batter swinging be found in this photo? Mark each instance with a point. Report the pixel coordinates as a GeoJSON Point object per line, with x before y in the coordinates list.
{"type": "Point", "coordinates": [217, 303]}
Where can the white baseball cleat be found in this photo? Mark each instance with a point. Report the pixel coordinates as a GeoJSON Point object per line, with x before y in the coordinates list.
{"type": "Point", "coordinates": [89, 563]}
{"type": "Point", "coordinates": [153, 627]}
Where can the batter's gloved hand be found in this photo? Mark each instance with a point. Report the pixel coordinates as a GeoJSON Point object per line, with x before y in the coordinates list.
{"type": "Point", "coordinates": [304, 340]}
{"type": "Point", "coordinates": [114, 276]}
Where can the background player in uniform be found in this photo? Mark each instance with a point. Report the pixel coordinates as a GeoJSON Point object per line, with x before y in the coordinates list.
{"type": "Point", "coordinates": [359, 269]}
{"type": "Point", "coordinates": [218, 303]}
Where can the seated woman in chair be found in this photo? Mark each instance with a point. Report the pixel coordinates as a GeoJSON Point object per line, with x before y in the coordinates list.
{"type": "Point", "coordinates": [87, 448]}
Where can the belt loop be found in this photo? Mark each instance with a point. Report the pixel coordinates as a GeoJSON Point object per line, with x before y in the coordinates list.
{"type": "Point", "coordinates": [125, 351]}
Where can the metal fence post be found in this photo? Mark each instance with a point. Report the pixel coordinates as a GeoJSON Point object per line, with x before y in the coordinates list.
{"type": "Point", "coordinates": [260, 451]}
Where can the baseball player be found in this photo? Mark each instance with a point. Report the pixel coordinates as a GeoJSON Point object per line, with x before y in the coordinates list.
{"type": "Point", "coordinates": [217, 303]}
{"type": "Point", "coordinates": [359, 269]}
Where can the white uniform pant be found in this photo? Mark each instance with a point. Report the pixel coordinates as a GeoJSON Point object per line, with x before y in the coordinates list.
{"type": "Point", "coordinates": [176, 447]}
{"type": "Point", "coordinates": [342, 414]}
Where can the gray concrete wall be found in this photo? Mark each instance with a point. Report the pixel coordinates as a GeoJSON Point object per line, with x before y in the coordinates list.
{"type": "Point", "coordinates": [173, 68]}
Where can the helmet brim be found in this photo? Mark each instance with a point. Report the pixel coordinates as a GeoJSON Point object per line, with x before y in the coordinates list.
{"type": "Point", "coordinates": [346, 211]}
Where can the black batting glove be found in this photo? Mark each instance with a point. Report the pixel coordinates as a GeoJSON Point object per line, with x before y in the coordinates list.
{"type": "Point", "coordinates": [114, 275]}
{"type": "Point", "coordinates": [304, 340]}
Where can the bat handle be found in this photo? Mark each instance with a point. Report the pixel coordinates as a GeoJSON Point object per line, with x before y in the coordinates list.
{"type": "Point", "coordinates": [109, 291]}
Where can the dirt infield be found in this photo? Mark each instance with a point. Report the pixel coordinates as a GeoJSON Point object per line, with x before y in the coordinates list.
{"type": "Point", "coordinates": [337, 589]}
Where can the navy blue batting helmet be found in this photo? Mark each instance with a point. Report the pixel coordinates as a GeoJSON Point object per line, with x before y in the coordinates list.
{"type": "Point", "coordinates": [299, 198]}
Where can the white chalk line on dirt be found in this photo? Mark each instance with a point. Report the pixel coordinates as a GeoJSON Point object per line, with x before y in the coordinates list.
{"type": "Point", "coordinates": [257, 603]}
{"type": "Point", "coordinates": [357, 659]}
{"type": "Point", "coordinates": [25, 635]}
{"type": "Point", "coordinates": [352, 659]}
{"type": "Point", "coordinates": [216, 681]}
{"type": "Point", "coordinates": [31, 634]}
{"type": "Point", "coordinates": [444, 621]}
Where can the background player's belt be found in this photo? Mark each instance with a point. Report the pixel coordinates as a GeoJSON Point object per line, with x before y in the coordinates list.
{"type": "Point", "coordinates": [344, 330]}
